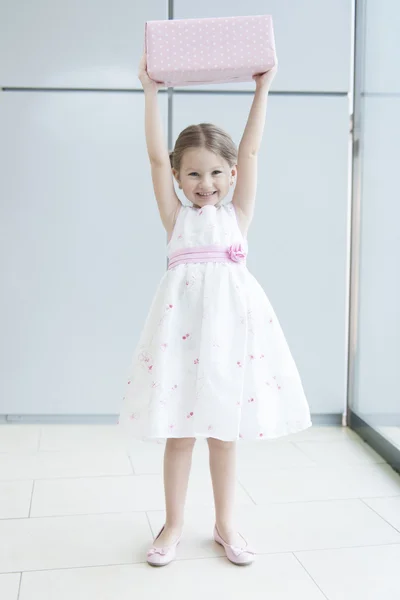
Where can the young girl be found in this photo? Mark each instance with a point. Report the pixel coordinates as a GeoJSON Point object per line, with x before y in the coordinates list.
{"type": "Point", "coordinates": [212, 360]}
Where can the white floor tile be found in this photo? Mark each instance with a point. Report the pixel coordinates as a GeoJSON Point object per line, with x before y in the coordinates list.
{"type": "Point", "coordinates": [19, 438]}
{"type": "Point", "coordinates": [313, 525]}
{"type": "Point", "coordinates": [79, 541]}
{"type": "Point", "coordinates": [92, 495]}
{"type": "Point", "coordinates": [345, 452]}
{"type": "Point", "coordinates": [280, 577]}
{"type": "Point", "coordinates": [322, 433]}
{"type": "Point", "coordinates": [270, 454]}
{"type": "Point", "coordinates": [56, 438]}
{"type": "Point", "coordinates": [9, 585]}
{"type": "Point", "coordinates": [41, 465]}
{"type": "Point", "coordinates": [15, 499]}
{"type": "Point", "coordinates": [387, 508]}
{"type": "Point", "coordinates": [147, 457]}
{"type": "Point", "coordinates": [370, 573]}
{"type": "Point", "coordinates": [319, 483]}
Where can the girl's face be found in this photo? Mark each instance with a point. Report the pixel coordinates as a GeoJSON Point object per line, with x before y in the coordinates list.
{"type": "Point", "coordinates": [205, 177]}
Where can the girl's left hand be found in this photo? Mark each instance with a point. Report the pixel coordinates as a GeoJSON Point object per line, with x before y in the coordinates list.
{"type": "Point", "coordinates": [265, 79]}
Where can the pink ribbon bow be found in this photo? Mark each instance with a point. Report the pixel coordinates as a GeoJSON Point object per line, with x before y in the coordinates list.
{"type": "Point", "coordinates": [236, 252]}
{"type": "Point", "coordinates": [156, 551]}
{"type": "Point", "coordinates": [237, 551]}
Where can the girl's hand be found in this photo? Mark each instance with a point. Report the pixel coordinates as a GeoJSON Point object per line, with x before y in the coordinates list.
{"type": "Point", "coordinates": [147, 83]}
{"type": "Point", "coordinates": [265, 79]}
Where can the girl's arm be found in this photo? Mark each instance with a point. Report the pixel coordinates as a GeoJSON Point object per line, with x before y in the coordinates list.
{"type": "Point", "coordinates": [246, 183]}
{"type": "Point", "coordinates": [167, 200]}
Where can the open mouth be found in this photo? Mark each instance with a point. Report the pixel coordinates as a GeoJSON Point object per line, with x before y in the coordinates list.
{"type": "Point", "coordinates": [205, 195]}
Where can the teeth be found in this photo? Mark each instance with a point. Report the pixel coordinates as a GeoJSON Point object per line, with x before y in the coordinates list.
{"type": "Point", "coordinates": [210, 194]}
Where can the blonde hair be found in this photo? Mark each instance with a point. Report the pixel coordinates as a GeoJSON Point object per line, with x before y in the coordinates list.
{"type": "Point", "coordinates": [204, 135]}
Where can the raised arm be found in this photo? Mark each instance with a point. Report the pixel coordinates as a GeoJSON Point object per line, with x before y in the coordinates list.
{"type": "Point", "coordinates": [167, 200]}
{"type": "Point", "coordinates": [246, 183]}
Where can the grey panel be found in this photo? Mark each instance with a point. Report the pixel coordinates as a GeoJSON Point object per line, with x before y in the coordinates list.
{"type": "Point", "coordinates": [298, 239]}
{"type": "Point", "coordinates": [382, 46]}
{"type": "Point", "coordinates": [378, 360]}
{"type": "Point", "coordinates": [313, 39]}
{"type": "Point", "coordinates": [82, 248]}
{"type": "Point", "coordinates": [74, 44]}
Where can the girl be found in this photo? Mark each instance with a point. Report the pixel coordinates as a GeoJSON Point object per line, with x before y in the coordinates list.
{"type": "Point", "coordinates": [212, 360]}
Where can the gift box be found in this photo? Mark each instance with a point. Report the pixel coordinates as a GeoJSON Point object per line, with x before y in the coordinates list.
{"type": "Point", "coordinates": [185, 52]}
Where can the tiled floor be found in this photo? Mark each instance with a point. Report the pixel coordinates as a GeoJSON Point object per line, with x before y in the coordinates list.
{"type": "Point", "coordinates": [78, 511]}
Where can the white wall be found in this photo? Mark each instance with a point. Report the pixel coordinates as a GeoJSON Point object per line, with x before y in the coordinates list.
{"type": "Point", "coordinates": [82, 246]}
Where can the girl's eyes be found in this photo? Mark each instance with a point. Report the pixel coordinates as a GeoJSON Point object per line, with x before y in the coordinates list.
{"type": "Point", "coordinates": [197, 173]}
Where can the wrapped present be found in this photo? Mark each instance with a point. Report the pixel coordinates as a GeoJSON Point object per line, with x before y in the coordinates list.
{"type": "Point", "coordinates": [214, 50]}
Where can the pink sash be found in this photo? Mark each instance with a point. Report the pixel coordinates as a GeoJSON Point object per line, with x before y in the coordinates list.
{"type": "Point", "coordinates": [200, 254]}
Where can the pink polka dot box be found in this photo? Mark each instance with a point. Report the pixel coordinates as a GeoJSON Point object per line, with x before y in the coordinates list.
{"type": "Point", "coordinates": [185, 52]}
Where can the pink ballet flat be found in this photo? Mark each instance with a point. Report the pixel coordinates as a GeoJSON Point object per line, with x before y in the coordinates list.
{"type": "Point", "coordinates": [238, 556]}
{"type": "Point", "coordinates": [159, 557]}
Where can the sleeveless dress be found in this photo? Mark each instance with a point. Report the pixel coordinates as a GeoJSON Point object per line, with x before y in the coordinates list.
{"type": "Point", "coordinates": [212, 359]}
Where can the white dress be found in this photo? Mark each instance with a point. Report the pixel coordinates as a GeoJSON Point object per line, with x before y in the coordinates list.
{"type": "Point", "coordinates": [212, 359]}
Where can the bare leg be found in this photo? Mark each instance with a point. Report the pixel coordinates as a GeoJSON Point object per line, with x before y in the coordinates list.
{"type": "Point", "coordinates": [177, 463]}
{"type": "Point", "coordinates": [223, 475]}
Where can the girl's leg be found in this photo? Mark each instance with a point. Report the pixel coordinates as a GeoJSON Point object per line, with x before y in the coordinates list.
{"type": "Point", "coordinates": [223, 475]}
{"type": "Point", "coordinates": [177, 463]}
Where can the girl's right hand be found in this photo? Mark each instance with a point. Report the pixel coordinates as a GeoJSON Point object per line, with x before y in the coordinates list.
{"type": "Point", "coordinates": [147, 83]}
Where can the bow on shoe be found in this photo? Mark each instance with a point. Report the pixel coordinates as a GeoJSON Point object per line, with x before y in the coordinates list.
{"type": "Point", "coordinates": [237, 551]}
{"type": "Point", "coordinates": [160, 551]}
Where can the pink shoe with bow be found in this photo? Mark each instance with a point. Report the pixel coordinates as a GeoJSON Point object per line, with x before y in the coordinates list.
{"type": "Point", "coordinates": [159, 557]}
{"type": "Point", "coordinates": [237, 555]}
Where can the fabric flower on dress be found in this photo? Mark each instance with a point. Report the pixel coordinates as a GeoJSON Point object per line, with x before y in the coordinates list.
{"type": "Point", "coordinates": [236, 252]}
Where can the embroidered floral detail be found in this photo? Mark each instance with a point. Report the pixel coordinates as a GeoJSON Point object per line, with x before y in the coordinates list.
{"type": "Point", "coordinates": [236, 252]}
{"type": "Point", "coordinates": [196, 361]}
{"type": "Point", "coordinates": [189, 415]}
{"type": "Point", "coordinates": [144, 357]}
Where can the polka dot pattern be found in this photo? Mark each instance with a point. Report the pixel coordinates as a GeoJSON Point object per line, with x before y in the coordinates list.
{"type": "Point", "coordinates": [213, 50]}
